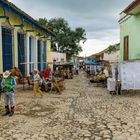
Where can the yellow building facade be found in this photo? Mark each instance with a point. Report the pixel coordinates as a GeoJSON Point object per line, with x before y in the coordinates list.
{"type": "Point", "coordinates": [23, 42]}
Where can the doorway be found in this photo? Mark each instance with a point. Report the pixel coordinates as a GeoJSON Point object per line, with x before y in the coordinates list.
{"type": "Point", "coordinates": [126, 48]}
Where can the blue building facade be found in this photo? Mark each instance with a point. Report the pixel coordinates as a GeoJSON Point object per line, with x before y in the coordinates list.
{"type": "Point", "coordinates": [89, 60]}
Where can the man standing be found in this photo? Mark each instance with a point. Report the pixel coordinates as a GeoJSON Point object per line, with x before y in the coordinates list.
{"type": "Point", "coordinates": [8, 85]}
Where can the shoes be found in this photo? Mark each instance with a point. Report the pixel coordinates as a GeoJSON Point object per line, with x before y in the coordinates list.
{"type": "Point", "coordinates": [7, 111]}
{"type": "Point", "coordinates": [12, 112]}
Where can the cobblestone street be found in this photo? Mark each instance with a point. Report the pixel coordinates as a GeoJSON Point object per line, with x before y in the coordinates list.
{"type": "Point", "coordinates": [82, 112]}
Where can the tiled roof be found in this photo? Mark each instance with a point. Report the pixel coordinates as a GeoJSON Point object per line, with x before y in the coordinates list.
{"type": "Point", "coordinates": [131, 6]}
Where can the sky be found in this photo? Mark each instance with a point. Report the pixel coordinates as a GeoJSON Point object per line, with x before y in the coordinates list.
{"type": "Point", "coordinates": [98, 17]}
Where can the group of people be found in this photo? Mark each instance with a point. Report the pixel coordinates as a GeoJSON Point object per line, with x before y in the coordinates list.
{"type": "Point", "coordinates": [100, 75]}
{"type": "Point", "coordinates": [65, 73]}
{"type": "Point", "coordinates": [8, 84]}
{"type": "Point", "coordinates": [9, 78]}
{"type": "Point", "coordinates": [39, 78]}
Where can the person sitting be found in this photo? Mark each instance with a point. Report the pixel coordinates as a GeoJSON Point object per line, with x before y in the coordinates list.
{"type": "Point", "coordinates": [47, 73]}
{"type": "Point", "coordinates": [58, 85]}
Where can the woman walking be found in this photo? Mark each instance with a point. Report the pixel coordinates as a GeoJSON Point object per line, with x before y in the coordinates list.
{"type": "Point", "coordinates": [37, 81]}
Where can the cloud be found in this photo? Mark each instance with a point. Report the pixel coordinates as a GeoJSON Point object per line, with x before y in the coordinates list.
{"type": "Point", "coordinates": [100, 42]}
{"type": "Point", "coordinates": [98, 18]}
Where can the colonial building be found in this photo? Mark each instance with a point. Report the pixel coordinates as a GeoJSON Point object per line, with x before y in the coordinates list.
{"type": "Point", "coordinates": [95, 57]}
{"type": "Point", "coordinates": [130, 32]}
{"type": "Point", "coordinates": [58, 57]}
{"type": "Point", "coordinates": [23, 42]}
{"type": "Point", "coordinates": [112, 56]}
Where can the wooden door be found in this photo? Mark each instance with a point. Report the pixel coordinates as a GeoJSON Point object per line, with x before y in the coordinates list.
{"type": "Point", "coordinates": [126, 48]}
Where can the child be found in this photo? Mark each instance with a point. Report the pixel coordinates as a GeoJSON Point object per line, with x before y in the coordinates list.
{"type": "Point", "coordinates": [37, 80]}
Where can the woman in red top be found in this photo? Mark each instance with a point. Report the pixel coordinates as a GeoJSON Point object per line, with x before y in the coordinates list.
{"type": "Point", "coordinates": [47, 73]}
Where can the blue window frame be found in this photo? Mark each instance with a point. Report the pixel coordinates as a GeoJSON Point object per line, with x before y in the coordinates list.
{"type": "Point", "coordinates": [21, 52]}
{"type": "Point", "coordinates": [39, 54]}
{"type": "Point", "coordinates": [7, 48]}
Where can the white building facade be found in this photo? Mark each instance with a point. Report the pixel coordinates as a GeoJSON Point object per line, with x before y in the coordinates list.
{"type": "Point", "coordinates": [58, 57]}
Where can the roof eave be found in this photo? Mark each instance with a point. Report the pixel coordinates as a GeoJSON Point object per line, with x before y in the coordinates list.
{"type": "Point", "coordinates": [26, 16]}
{"type": "Point", "coordinates": [130, 7]}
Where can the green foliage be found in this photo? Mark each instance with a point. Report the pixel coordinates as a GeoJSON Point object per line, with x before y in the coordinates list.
{"type": "Point", "coordinates": [111, 49]}
{"type": "Point", "coordinates": [67, 40]}
{"type": "Point", "coordinates": [43, 21]}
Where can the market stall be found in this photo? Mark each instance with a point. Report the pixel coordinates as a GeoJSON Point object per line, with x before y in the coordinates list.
{"type": "Point", "coordinates": [63, 70]}
{"type": "Point", "coordinates": [127, 77]}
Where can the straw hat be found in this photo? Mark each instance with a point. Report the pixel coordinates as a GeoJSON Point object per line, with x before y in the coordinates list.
{"type": "Point", "coordinates": [35, 70]}
{"type": "Point", "coordinates": [6, 74]}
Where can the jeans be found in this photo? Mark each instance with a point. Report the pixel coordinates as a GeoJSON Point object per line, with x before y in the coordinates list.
{"type": "Point", "coordinates": [8, 97]}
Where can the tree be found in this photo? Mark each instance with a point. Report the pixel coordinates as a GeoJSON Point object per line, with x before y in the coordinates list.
{"type": "Point", "coordinates": [67, 40]}
{"type": "Point", "coordinates": [43, 21]}
{"type": "Point", "coordinates": [111, 49]}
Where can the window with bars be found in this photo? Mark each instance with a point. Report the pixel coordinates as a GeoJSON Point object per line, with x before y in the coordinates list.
{"type": "Point", "coordinates": [7, 48]}
{"type": "Point", "coordinates": [31, 54]}
{"type": "Point", "coordinates": [21, 52]}
{"type": "Point", "coordinates": [39, 54]}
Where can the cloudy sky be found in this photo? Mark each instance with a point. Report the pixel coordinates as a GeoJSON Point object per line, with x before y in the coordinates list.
{"type": "Point", "coordinates": [98, 17]}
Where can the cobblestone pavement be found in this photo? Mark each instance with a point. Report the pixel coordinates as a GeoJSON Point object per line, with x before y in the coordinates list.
{"type": "Point", "coordinates": [82, 112]}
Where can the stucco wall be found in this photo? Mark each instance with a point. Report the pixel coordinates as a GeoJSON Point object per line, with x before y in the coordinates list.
{"type": "Point", "coordinates": [16, 20]}
{"type": "Point", "coordinates": [130, 26]}
{"type": "Point", "coordinates": [113, 57]}
{"type": "Point", "coordinates": [58, 56]}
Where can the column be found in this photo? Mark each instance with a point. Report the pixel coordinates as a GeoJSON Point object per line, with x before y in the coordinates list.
{"type": "Point", "coordinates": [27, 54]}
{"type": "Point", "coordinates": [1, 61]}
{"type": "Point", "coordinates": [35, 53]}
{"type": "Point", "coordinates": [42, 54]}
{"type": "Point", "coordinates": [15, 45]}
{"type": "Point", "coordinates": [48, 51]}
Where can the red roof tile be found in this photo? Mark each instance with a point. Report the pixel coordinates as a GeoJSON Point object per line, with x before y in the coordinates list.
{"type": "Point", "coordinates": [131, 6]}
